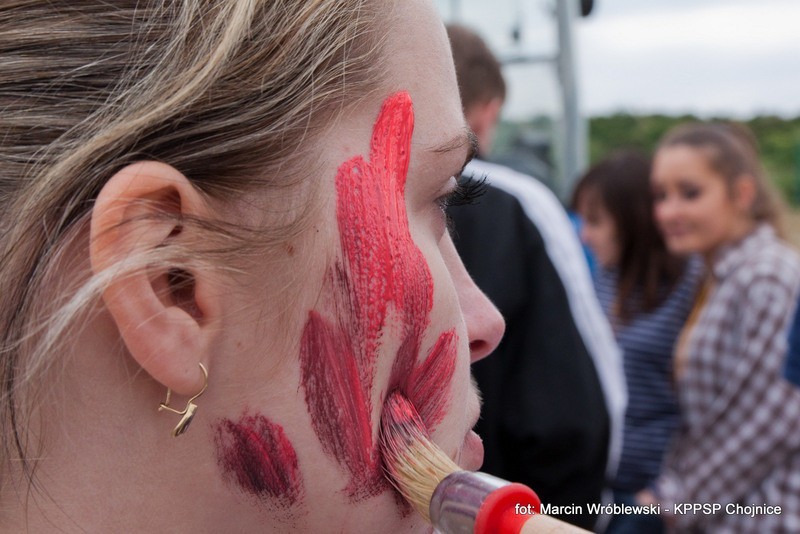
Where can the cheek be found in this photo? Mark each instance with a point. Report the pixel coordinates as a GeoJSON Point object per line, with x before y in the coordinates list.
{"type": "Point", "coordinates": [717, 228]}
{"type": "Point", "coordinates": [589, 235]}
{"type": "Point", "coordinates": [612, 247]}
{"type": "Point", "coordinates": [708, 214]}
{"type": "Point", "coordinates": [444, 378]}
{"type": "Point", "coordinates": [375, 331]}
{"type": "Point", "coordinates": [608, 237]}
{"type": "Point", "coordinates": [598, 239]}
{"type": "Point", "coordinates": [445, 270]}
{"type": "Point", "coordinates": [434, 375]}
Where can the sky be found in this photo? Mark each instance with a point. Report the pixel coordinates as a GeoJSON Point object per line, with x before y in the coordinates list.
{"type": "Point", "coordinates": [729, 58]}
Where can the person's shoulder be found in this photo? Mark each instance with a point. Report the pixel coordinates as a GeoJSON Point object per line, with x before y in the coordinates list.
{"type": "Point", "coordinates": [771, 271]}
{"type": "Point", "coordinates": [774, 257]}
{"type": "Point", "coordinates": [761, 255]}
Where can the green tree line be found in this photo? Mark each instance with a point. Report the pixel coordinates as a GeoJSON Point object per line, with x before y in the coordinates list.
{"type": "Point", "coordinates": [779, 142]}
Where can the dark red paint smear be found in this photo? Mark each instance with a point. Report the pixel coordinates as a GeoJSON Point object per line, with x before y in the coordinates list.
{"type": "Point", "coordinates": [380, 270]}
{"type": "Point", "coordinates": [256, 455]}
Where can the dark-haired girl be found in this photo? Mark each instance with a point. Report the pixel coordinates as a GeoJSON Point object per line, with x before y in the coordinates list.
{"type": "Point", "coordinates": [647, 293]}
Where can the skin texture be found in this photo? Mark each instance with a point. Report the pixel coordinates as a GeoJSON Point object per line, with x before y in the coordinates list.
{"type": "Point", "coordinates": [695, 209]}
{"type": "Point", "coordinates": [234, 469]}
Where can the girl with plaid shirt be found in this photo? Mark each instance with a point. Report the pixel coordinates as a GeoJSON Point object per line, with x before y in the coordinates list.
{"type": "Point", "coordinates": [739, 442]}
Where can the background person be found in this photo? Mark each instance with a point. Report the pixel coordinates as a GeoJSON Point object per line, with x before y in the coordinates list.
{"type": "Point", "coordinates": [178, 218]}
{"type": "Point", "coordinates": [738, 441]}
{"type": "Point", "coordinates": [553, 392]}
{"type": "Point", "coordinates": [647, 294]}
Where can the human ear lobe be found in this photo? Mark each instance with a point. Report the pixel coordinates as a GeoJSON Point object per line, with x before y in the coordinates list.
{"type": "Point", "coordinates": [164, 309]}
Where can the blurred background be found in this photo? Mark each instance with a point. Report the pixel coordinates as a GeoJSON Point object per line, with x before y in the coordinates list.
{"type": "Point", "coordinates": [587, 77]}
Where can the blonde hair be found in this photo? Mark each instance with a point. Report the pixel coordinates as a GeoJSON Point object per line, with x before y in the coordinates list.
{"type": "Point", "coordinates": [229, 92]}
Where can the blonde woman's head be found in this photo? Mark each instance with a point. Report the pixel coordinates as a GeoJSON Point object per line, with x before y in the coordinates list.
{"type": "Point", "coordinates": [254, 186]}
{"type": "Point", "coordinates": [230, 94]}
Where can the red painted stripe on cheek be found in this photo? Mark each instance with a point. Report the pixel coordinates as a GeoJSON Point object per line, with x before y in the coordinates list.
{"type": "Point", "coordinates": [255, 454]}
{"type": "Point", "coordinates": [380, 268]}
{"type": "Point", "coordinates": [339, 410]}
{"type": "Point", "coordinates": [428, 385]}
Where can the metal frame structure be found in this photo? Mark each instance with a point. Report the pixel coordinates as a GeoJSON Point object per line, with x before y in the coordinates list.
{"type": "Point", "coordinates": [571, 137]}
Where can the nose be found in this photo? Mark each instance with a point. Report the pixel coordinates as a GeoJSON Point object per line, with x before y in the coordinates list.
{"type": "Point", "coordinates": [485, 324]}
{"type": "Point", "coordinates": [665, 211]}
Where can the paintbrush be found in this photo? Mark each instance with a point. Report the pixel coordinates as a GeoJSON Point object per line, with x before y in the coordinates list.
{"type": "Point", "coordinates": [450, 499]}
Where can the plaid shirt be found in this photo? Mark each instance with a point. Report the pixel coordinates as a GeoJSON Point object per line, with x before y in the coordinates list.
{"type": "Point", "coordinates": [740, 435]}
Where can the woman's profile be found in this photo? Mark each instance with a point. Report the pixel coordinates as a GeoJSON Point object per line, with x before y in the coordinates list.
{"type": "Point", "coordinates": [223, 245]}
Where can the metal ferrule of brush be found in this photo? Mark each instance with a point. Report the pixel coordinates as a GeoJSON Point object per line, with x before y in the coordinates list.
{"type": "Point", "coordinates": [457, 499]}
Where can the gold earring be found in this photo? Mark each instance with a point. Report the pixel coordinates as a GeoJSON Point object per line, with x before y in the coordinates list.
{"type": "Point", "coordinates": [191, 407]}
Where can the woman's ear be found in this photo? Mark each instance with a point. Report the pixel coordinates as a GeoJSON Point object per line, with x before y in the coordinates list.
{"type": "Point", "coordinates": [166, 314]}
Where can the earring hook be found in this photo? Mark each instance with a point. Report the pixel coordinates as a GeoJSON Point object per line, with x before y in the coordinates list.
{"type": "Point", "coordinates": [191, 407]}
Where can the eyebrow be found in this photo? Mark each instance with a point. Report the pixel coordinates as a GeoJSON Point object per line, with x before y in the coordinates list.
{"type": "Point", "coordinates": [465, 137]}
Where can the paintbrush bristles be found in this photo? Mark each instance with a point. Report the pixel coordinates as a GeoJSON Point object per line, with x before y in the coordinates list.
{"type": "Point", "coordinates": [413, 463]}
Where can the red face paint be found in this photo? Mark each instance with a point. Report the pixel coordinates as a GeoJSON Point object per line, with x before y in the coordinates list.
{"type": "Point", "coordinates": [337, 402]}
{"type": "Point", "coordinates": [380, 269]}
{"type": "Point", "coordinates": [426, 385]}
{"type": "Point", "coordinates": [256, 455]}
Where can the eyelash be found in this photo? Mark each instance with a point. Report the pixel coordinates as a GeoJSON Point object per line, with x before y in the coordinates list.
{"type": "Point", "coordinates": [467, 191]}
